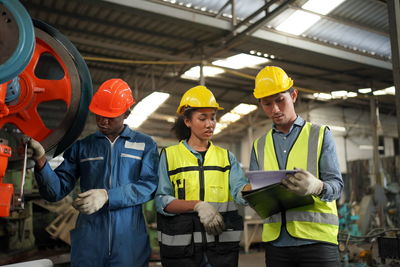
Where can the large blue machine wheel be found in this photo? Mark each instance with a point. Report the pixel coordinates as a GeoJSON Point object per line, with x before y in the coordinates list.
{"type": "Point", "coordinates": [17, 39]}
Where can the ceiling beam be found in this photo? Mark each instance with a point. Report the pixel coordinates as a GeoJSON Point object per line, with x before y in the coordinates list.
{"type": "Point", "coordinates": [63, 13]}
{"type": "Point", "coordinates": [264, 34]}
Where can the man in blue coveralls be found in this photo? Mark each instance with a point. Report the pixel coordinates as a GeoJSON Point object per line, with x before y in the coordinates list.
{"type": "Point", "coordinates": [117, 168]}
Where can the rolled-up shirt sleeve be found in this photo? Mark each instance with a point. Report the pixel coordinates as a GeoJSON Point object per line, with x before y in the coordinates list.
{"type": "Point", "coordinates": [237, 180]}
{"type": "Point", "coordinates": [164, 191]}
{"type": "Point", "coordinates": [329, 169]}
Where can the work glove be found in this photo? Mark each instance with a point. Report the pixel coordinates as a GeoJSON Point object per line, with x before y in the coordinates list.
{"type": "Point", "coordinates": [35, 149]}
{"type": "Point", "coordinates": [90, 201]}
{"type": "Point", "coordinates": [303, 183]}
{"type": "Point", "coordinates": [210, 218]}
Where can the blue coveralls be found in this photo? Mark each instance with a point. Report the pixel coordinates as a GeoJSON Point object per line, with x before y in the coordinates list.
{"type": "Point", "coordinates": [127, 168]}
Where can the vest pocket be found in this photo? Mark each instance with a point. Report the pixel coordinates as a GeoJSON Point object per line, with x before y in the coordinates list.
{"type": "Point", "coordinates": [175, 235]}
{"type": "Point", "coordinates": [233, 221]}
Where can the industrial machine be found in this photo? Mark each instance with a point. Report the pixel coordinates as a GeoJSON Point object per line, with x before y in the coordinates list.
{"type": "Point", "coordinates": [45, 90]}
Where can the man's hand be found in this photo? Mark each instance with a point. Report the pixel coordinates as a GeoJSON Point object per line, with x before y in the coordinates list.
{"type": "Point", "coordinates": [36, 149]}
{"type": "Point", "coordinates": [210, 218]}
{"type": "Point", "coordinates": [303, 183]}
{"type": "Point", "coordinates": [247, 187]}
{"type": "Point", "coordinates": [90, 201]}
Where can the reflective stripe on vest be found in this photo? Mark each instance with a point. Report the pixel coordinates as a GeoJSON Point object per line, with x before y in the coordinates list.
{"type": "Point", "coordinates": [317, 217]}
{"type": "Point", "coordinates": [318, 221]}
{"type": "Point", "coordinates": [225, 206]}
{"type": "Point", "coordinates": [186, 239]}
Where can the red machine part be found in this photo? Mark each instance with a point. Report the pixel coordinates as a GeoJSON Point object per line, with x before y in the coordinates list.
{"type": "Point", "coordinates": [3, 107]}
{"type": "Point", "coordinates": [6, 190]}
{"type": "Point", "coordinates": [34, 91]}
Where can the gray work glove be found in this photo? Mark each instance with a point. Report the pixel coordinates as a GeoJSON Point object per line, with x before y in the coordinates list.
{"type": "Point", "coordinates": [90, 201]}
{"type": "Point", "coordinates": [35, 149]}
{"type": "Point", "coordinates": [303, 183]}
{"type": "Point", "coordinates": [210, 218]}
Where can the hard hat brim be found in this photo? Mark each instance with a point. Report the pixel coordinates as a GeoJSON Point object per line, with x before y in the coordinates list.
{"type": "Point", "coordinates": [181, 110]}
{"type": "Point", "coordinates": [106, 114]}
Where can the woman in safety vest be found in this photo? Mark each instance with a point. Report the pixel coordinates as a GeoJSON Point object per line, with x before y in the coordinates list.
{"type": "Point", "coordinates": [198, 222]}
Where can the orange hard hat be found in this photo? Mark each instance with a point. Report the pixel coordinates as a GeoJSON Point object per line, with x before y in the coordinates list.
{"type": "Point", "coordinates": [113, 98]}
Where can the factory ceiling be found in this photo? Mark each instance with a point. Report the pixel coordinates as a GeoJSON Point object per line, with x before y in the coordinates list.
{"type": "Point", "coordinates": [151, 44]}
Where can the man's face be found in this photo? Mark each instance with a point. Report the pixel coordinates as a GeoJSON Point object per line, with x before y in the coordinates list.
{"type": "Point", "coordinates": [111, 126]}
{"type": "Point", "coordinates": [280, 107]}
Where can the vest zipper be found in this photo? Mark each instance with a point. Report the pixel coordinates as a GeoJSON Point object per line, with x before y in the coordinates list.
{"type": "Point", "coordinates": [201, 179]}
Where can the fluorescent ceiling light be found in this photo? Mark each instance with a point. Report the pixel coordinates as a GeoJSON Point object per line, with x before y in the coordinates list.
{"type": "Point", "coordinates": [337, 128]}
{"type": "Point", "coordinates": [194, 73]}
{"type": "Point", "coordinates": [219, 127]}
{"type": "Point", "coordinates": [369, 147]}
{"type": "Point", "coordinates": [171, 119]}
{"type": "Point", "coordinates": [322, 96]}
{"type": "Point", "coordinates": [240, 61]}
{"type": "Point", "coordinates": [322, 7]}
{"type": "Point", "coordinates": [243, 109]}
{"type": "Point", "coordinates": [230, 117]}
{"type": "Point", "coordinates": [387, 91]}
{"type": "Point", "coordinates": [234, 115]}
{"type": "Point", "coordinates": [390, 90]}
{"type": "Point", "coordinates": [343, 94]}
{"type": "Point", "coordinates": [298, 22]}
{"type": "Point", "coordinates": [339, 94]}
{"type": "Point", "coordinates": [379, 92]}
{"type": "Point", "coordinates": [365, 90]}
{"type": "Point", "coordinates": [145, 108]}
{"type": "Point", "coordinates": [351, 94]}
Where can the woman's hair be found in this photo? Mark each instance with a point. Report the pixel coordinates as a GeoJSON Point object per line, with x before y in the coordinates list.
{"type": "Point", "coordinates": [180, 129]}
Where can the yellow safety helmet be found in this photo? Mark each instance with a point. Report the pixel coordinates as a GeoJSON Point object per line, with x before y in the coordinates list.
{"type": "Point", "coordinates": [271, 80]}
{"type": "Point", "coordinates": [197, 97]}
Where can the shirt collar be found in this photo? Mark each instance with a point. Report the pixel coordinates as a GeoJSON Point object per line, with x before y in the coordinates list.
{"type": "Point", "coordinates": [298, 122]}
{"type": "Point", "coordinates": [191, 149]}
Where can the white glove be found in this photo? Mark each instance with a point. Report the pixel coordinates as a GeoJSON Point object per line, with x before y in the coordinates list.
{"type": "Point", "coordinates": [36, 149]}
{"type": "Point", "coordinates": [210, 218]}
{"type": "Point", "coordinates": [90, 201]}
{"type": "Point", "coordinates": [303, 183]}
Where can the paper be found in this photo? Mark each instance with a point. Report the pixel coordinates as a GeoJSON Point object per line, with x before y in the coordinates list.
{"type": "Point", "coordinates": [259, 179]}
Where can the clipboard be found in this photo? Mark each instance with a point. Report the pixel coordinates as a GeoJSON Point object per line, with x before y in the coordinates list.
{"type": "Point", "coordinates": [272, 197]}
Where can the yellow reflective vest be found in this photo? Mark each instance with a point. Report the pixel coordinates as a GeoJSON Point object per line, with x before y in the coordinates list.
{"type": "Point", "coordinates": [193, 180]}
{"type": "Point", "coordinates": [318, 221]}
{"type": "Point", "coordinates": [182, 237]}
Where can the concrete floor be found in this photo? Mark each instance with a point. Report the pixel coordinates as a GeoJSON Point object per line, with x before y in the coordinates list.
{"type": "Point", "coordinates": [252, 259]}
{"type": "Point", "coordinates": [255, 258]}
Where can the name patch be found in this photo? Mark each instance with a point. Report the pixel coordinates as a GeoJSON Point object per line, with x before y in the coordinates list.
{"type": "Point", "coordinates": [134, 145]}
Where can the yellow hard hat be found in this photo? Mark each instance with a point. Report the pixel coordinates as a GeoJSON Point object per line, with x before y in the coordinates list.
{"type": "Point", "coordinates": [197, 97]}
{"type": "Point", "coordinates": [271, 80]}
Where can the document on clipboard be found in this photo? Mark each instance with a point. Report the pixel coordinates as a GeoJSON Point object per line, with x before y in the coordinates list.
{"type": "Point", "coordinates": [260, 179]}
{"type": "Point", "coordinates": [268, 196]}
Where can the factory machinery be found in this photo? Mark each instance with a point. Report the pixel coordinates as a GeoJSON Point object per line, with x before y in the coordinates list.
{"type": "Point", "coordinates": [369, 231]}
{"type": "Point", "coordinates": [45, 91]}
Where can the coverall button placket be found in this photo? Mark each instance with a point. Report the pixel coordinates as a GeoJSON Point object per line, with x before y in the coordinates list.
{"type": "Point", "coordinates": [110, 186]}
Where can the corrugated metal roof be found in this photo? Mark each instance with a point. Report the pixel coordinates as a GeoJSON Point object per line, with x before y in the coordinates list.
{"type": "Point", "coordinates": [174, 32]}
{"type": "Point", "coordinates": [357, 25]}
